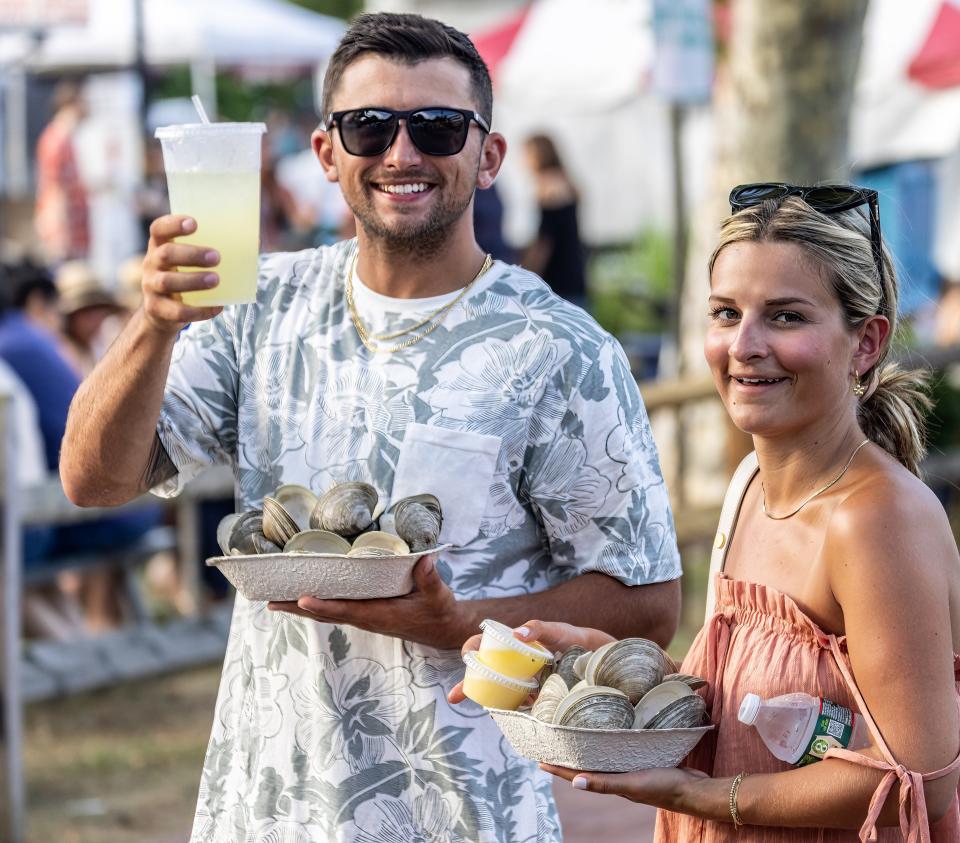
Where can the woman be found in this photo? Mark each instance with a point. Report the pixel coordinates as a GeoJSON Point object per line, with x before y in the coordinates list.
{"type": "Point", "coordinates": [842, 578]}
{"type": "Point", "coordinates": [557, 254]}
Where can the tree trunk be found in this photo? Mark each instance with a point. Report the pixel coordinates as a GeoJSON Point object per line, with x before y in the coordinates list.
{"type": "Point", "coordinates": [781, 113]}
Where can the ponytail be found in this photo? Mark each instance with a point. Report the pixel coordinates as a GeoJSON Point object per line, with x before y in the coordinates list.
{"type": "Point", "coordinates": [893, 416]}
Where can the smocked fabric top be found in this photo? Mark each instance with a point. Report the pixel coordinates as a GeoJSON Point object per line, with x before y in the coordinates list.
{"type": "Point", "coordinates": [758, 640]}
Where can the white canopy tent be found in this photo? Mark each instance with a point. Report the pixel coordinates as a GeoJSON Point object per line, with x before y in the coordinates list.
{"type": "Point", "coordinates": [895, 118]}
{"type": "Point", "coordinates": [580, 72]}
{"type": "Point", "coordinates": [225, 32]}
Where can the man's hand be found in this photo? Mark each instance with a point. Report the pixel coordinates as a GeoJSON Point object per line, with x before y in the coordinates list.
{"type": "Point", "coordinates": [164, 280]}
{"type": "Point", "coordinates": [428, 615]}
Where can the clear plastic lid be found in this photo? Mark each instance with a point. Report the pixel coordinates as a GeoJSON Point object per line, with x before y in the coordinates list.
{"type": "Point", "coordinates": [749, 709]}
{"type": "Point", "coordinates": [504, 635]}
{"type": "Point", "coordinates": [206, 129]}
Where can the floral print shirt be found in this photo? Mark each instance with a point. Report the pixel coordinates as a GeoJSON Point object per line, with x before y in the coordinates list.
{"type": "Point", "coordinates": [520, 414]}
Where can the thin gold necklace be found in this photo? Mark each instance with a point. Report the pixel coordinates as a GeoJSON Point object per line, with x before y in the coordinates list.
{"type": "Point", "coordinates": [433, 321]}
{"type": "Point", "coordinates": [763, 494]}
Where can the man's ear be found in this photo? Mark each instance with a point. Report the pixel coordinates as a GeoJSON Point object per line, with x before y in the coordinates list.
{"type": "Point", "coordinates": [872, 339]}
{"type": "Point", "coordinates": [491, 159]}
{"type": "Point", "coordinates": [322, 143]}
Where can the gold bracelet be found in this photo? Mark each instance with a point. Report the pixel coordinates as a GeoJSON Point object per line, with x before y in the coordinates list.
{"type": "Point", "coordinates": [734, 813]}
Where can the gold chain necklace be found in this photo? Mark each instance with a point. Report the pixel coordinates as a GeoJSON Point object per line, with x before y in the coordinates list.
{"type": "Point", "coordinates": [763, 494]}
{"type": "Point", "coordinates": [433, 321]}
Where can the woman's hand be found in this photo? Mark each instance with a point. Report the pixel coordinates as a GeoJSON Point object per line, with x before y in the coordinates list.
{"type": "Point", "coordinates": [556, 637]}
{"type": "Point", "coordinates": [674, 789]}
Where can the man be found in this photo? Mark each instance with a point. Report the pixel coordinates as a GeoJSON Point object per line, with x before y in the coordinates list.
{"type": "Point", "coordinates": [404, 359]}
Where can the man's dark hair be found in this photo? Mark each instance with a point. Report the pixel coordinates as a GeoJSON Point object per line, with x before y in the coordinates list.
{"type": "Point", "coordinates": [409, 39]}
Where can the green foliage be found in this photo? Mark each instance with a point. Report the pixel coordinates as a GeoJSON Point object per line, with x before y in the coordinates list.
{"type": "Point", "coordinates": [241, 99]}
{"type": "Point", "coordinates": [345, 9]}
{"type": "Point", "coordinates": [631, 287]}
{"type": "Point", "coordinates": [944, 420]}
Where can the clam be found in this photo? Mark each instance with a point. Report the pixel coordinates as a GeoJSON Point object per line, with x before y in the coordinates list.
{"type": "Point", "coordinates": [378, 543]}
{"type": "Point", "coordinates": [224, 529]}
{"type": "Point", "coordinates": [316, 541]}
{"type": "Point", "coordinates": [553, 690]}
{"type": "Point", "coordinates": [417, 520]}
{"type": "Point", "coordinates": [693, 681]}
{"type": "Point", "coordinates": [595, 707]}
{"type": "Point", "coordinates": [345, 509]}
{"type": "Point", "coordinates": [683, 713]}
{"type": "Point", "coordinates": [658, 698]}
{"type": "Point", "coordinates": [244, 536]}
{"type": "Point", "coordinates": [298, 502]}
{"type": "Point", "coordinates": [632, 665]}
{"type": "Point", "coordinates": [563, 666]}
{"type": "Point", "coordinates": [279, 526]}
{"type": "Point", "coordinates": [582, 663]}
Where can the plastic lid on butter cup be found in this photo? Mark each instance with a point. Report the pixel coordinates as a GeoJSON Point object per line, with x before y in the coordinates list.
{"type": "Point", "coordinates": [504, 635]}
{"type": "Point", "coordinates": [472, 661]}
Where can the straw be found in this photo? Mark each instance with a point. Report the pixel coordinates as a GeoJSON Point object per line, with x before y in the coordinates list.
{"type": "Point", "coordinates": [200, 109]}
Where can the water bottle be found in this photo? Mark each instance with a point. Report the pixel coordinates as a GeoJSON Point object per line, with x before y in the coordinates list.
{"type": "Point", "coordinates": [799, 729]}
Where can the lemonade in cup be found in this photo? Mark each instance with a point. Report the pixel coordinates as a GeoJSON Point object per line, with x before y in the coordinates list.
{"type": "Point", "coordinates": [213, 175]}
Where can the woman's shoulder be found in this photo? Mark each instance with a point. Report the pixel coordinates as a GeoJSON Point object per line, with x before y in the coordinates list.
{"type": "Point", "coordinates": [885, 495]}
{"type": "Point", "coordinates": [554, 190]}
{"type": "Point", "coordinates": [888, 523]}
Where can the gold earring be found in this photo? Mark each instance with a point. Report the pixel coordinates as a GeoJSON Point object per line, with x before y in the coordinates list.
{"type": "Point", "coordinates": [859, 388]}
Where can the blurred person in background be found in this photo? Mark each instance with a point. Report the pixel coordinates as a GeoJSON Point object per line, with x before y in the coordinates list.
{"type": "Point", "coordinates": [28, 323]}
{"type": "Point", "coordinates": [488, 224]}
{"type": "Point", "coordinates": [61, 218]}
{"type": "Point", "coordinates": [323, 217]}
{"type": "Point", "coordinates": [557, 253]}
{"type": "Point", "coordinates": [85, 305]}
{"type": "Point", "coordinates": [947, 250]}
{"type": "Point", "coordinates": [31, 346]}
{"type": "Point", "coordinates": [150, 198]}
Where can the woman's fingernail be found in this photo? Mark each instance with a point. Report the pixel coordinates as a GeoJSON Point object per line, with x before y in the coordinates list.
{"type": "Point", "coordinates": [580, 782]}
{"type": "Point", "coordinates": [211, 257]}
{"type": "Point", "coordinates": [522, 630]}
{"type": "Point", "coordinates": [428, 565]}
{"type": "Point", "coordinates": [188, 226]}
{"type": "Point", "coordinates": [211, 280]}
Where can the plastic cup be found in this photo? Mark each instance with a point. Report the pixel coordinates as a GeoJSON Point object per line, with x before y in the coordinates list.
{"type": "Point", "coordinates": [492, 689]}
{"type": "Point", "coordinates": [508, 655]}
{"type": "Point", "coordinates": [213, 175]}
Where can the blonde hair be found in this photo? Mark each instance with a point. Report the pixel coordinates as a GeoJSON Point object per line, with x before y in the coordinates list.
{"type": "Point", "coordinates": [892, 413]}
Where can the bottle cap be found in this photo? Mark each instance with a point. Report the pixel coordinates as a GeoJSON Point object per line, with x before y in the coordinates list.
{"type": "Point", "coordinates": [749, 709]}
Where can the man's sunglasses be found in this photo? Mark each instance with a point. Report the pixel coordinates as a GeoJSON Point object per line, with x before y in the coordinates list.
{"type": "Point", "coordinates": [828, 199]}
{"type": "Point", "coordinates": [434, 131]}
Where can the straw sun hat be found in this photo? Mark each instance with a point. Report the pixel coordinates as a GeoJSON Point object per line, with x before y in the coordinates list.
{"type": "Point", "coordinates": [79, 288]}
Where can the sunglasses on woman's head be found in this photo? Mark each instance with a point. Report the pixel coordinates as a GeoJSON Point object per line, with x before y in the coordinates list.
{"type": "Point", "coordinates": [434, 131]}
{"type": "Point", "coordinates": [827, 199]}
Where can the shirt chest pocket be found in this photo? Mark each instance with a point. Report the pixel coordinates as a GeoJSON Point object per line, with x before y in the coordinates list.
{"type": "Point", "coordinates": [457, 467]}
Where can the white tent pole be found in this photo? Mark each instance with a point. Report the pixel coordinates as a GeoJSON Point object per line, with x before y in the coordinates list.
{"type": "Point", "coordinates": [16, 166]}
{"type": "Point", "coordinates": [203, 82]}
